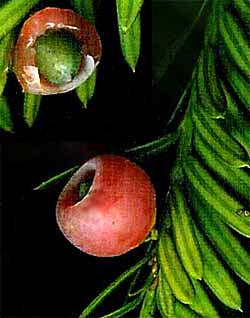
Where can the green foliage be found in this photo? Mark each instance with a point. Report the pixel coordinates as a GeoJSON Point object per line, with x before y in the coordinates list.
{"type": "Point", "coordinates": [12, 13]}
{"type": "Point", "coordinates": [101, 297]}
{"type": "Point", "coordinates": [208, 198]}
{"type": "Point", "coordinates": [128, 13]}
{"type": "Point", "coordinates": [31, 105]}
{"type": "Point", "coordinates": [216, 275]}
{"type": "Point", "coordinates": [171, 52]}
{"type": "Point", "coordinates": [86, 8]}
{"type": "Point", "coordinates": [224, 240]}
{"type": "Point", "coordinates": [6, 45]}
{"type": "Point", "coordinates": [210, 181]}
{"type": "Point", "coordinates": [201, 303]}
{"type": "Point", "coordinates": [214, 160]}
{"type": "Point", "coordinates": [5, 116]}
{"type": "Point", "coordinates": [183, 311]}
{"type": "Point", "coordinates": [55, 179]}
{"type": "Point", "coordinates": [173, 270]}
{"type": "Point", "coordinates": [154, 147]}
{"type": "Point", "coordinates": [148, 305]}
{"type": "Point", "coordinates": [164, 297]}
{"type": "Point", "coordinates": [186, 244]}
{"type": "Point", "coordinates": [86, 90]}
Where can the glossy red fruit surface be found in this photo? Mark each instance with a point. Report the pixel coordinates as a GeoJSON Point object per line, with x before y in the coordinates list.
{"type": "Point", "coordinates": [54, 19]}
{"type": "Point", "coordinates": [117, 213]}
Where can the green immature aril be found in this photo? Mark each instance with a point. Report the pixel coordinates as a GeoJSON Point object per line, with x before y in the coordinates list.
{"type": "Point", "coordinates": [58, 56]}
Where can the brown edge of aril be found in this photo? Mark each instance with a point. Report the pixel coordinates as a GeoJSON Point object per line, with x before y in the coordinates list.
{"type": "Point", "coordinates": [24, 55]}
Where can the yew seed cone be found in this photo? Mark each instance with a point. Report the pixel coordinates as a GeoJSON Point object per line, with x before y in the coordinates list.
{"type": "Point", "coordinates": [116, 214]}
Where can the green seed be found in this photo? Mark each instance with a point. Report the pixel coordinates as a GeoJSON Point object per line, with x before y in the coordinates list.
{"type": "Point", "coordinates": [84, 188]}
{"type": "Point", "coordinates": [58, 56]}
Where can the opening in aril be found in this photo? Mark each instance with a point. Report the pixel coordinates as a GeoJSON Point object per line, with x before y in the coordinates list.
{"type": "Point", "coordinates": [85, 186]}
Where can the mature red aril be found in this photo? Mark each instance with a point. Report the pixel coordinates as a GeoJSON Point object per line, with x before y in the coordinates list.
{"type": "Point", "coordinates": [116, 214]}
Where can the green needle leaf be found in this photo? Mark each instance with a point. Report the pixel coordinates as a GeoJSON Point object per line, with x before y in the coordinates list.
{"type": "Point", "coordinates": [86, 90]}
{"type": "Point", "coordinates": [31, 107]}
{"type": "Point", "coordinates": [181, 106]}
{"type": "Point", "coordinates": [127, 12]}
{"type": "Point", "coordinates": [237, 124]}
{"type": "Point", "coordinates": [149, 303]}
{"type": "Point", "coordinates": [132, 285]}
{"type": "Point", "coordinates": [164, 297]}
{"type": "Point", "coordinates": [5, 116]}
{"type": "Point", "coordinates": [85, 8]}
{"type": "Point", "coordinates": [54, 180]}
{"type": "Point", "coordinates": [12, 13]}
{"type": "Point", "coordinates": [100, 298]}
{"type": "Point", "coordinates": [154, 147]}
{"type": "Point", "coordinates": [172, 51]}
{"type": "Point", "coordinates": [183, 311]}
{"type": "Point", "coordinates": [6, 45]}
{"type": "Point", "coordinates": [130, 42]}
{"type": "Point", "coordinates": [124, 309]}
